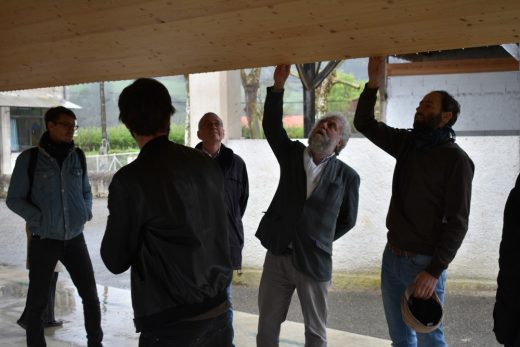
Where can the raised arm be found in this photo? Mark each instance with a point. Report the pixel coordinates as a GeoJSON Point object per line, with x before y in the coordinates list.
{"type": "Point", "coordinates": [387, 138]}
{"type": "Point", "coordinates": [376, 72]}
{"type": "Point", "coordinates": [281, 73]}
{"type": "Point", "coordinates": [273, 112]}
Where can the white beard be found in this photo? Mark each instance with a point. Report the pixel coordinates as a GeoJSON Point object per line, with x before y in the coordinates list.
{"type": "Point", "coordinates": [319, 143]}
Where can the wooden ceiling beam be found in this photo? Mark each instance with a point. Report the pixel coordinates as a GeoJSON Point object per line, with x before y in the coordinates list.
{"type": "Point", "coordinates": [50, 42]}
{"type": "Point", "coordinates": [452, 67]}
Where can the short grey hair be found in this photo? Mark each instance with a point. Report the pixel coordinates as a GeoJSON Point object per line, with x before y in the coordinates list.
{"type": "Point", "coordinates": [206, 115]}
{"type": "Point", "coordinates": [345, 128]}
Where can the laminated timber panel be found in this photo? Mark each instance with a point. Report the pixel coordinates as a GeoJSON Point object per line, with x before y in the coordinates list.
{"type": "Point", "coordinates": [453, 66]}
{"type": "Point", "coordinates": [48, 43]}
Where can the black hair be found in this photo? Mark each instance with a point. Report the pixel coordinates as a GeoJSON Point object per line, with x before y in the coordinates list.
{"type": "Point", "coordinates": [449, 104]}
{"type": "Point", "coordinates": [54, 113]}
{"type": "Point", "coordinates": [145, 107]}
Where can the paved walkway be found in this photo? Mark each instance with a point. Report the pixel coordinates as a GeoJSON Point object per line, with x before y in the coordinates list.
{"type": "Point", "coordinates": [117, 323]}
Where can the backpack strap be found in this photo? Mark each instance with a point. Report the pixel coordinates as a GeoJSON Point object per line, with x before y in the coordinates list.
{"type": "Point", "coordinates": [82, 160]}
{"type": "Point", "coordinates": [31, 168]}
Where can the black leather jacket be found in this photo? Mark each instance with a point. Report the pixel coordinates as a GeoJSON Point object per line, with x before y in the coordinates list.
{"type": "Point", "coordinates": [166, 222]}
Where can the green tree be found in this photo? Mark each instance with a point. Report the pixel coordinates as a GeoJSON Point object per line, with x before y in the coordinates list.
{"type": "Point", "coordinates": [344, 94]}
{"type": "Point", "coordinates": [343, 91]}
{"type": "Point", "coordinates": [251, 84]}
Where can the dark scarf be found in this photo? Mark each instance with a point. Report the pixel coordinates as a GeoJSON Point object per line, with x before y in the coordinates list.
{"type": "Point", "coordinates": [58, 151]}
{"type": "Point", "coordinates": [424, 139]}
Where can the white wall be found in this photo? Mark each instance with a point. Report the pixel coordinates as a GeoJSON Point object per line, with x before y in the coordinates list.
{"type": "Point", "coordinates": [497, 165]}
{"type": "Point", "coordinates": [217, 92]}
{"type": "Point", "coordinates": [5, 140]}
{"type": "Point", "coordinates": [489, 101]}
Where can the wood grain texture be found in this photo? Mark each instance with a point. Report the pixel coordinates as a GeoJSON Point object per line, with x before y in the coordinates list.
{"type": "Point", "coordinates": [48, 42]}
{"type": "Point", "coordinates": [453, 66]}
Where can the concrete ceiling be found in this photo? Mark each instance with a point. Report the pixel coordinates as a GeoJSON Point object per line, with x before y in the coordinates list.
{"type": "Point", "coordinates": [48, 43]}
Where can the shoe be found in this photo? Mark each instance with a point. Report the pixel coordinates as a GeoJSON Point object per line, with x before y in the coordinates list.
{"type": "Point", "coordinates": [53, 324]}
{"type": "Point", "coordinates": [22, 323]}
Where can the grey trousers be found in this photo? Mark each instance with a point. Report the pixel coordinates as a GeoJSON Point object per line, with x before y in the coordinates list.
{"type": "Point", "coordinates": [279, 280]}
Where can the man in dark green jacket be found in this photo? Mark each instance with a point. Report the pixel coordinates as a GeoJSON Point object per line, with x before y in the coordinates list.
{"type": "Point", "coordinates": [429, 209]}
{"type": "Point", "coordinates": [315, 203]}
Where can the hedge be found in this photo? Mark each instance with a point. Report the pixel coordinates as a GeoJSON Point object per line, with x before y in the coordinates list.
{"type": "Point", "coordinates": [89, 139]}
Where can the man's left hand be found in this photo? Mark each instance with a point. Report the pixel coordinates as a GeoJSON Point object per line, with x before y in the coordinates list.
{"type": "Point", "coordinates": [424, 285]}
{"type": "Point", "coordinates": [281, 73]}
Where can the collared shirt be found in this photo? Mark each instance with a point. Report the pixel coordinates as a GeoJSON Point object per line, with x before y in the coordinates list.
{"type": "Point", "coordinates": [212, 156]}
{"type": "Point", "coordinates": [313, 171]}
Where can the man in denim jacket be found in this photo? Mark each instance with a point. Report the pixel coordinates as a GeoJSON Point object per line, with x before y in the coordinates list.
{"type": "Point", "coordinates": [56, 201]}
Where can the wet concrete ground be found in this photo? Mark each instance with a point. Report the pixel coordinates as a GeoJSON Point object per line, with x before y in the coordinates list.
{"type": "Point", "coordinates": [116, 314]}
{"type": "Point", "coordinates": [468, 316]}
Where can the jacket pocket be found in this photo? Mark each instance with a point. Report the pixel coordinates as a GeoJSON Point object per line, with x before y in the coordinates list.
{"type": "Point", "coordinates": [334, 192]}
{"type": "Point", "coordinates": [76, 176]}
{"type": "Point", "coordinates": [421, 261]}
{"type": "Point", "coordinates": [326, 247]}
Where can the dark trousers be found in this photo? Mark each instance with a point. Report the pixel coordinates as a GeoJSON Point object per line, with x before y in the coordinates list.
{"type": "Point", "coordinates": [514, 344]}
{"type": "Point", "coordinates": [44, 254]}
{"type": "Point", "coordinates": [213, 332]}
{"type": "Point", "coordinates": [48, 314]}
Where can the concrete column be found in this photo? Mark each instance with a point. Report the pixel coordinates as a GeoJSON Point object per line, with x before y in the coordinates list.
{"type": "Point", "coordinates": [5, 140]}
{"type": "Point", "coordinates": [217, 92]}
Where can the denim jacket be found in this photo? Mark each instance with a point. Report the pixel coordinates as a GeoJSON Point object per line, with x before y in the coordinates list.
{"type": "Point", "coordinates": [60, 201]}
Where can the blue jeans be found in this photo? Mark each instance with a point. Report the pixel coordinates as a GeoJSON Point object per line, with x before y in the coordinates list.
{"type": "Point", "coordinates": [396, 274]}
{"type": "Point", "coordinates": [229, 292]}
{"type": "Point", "coordinates": [213, 332]}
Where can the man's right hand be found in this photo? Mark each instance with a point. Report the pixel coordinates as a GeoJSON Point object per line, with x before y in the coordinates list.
{"type": "Point", "coordinates": [376, 71]}
{"type": "Point", "coordinates": [424, 285]}
{"type": "Point", "coordinates": [281, 73]}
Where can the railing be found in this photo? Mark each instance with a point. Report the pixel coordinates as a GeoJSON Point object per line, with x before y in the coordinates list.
{"type": "Point", "coordinates": [109, 162]}
{"type": "Point", "coordinates": [97, 163]}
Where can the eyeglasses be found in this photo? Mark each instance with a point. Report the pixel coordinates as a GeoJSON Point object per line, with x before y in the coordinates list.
{"type": "Point", "coordinates": [68, 125]}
